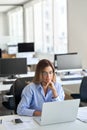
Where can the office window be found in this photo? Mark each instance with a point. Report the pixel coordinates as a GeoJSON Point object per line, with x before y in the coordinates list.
{"type": "Point", "coordinates": [45, 24]}
{"type": "Point", "coordinates": [29, 31]}
{"type": "Point", "coordinates": [47, 10]}
{"type": "Point", "coordinates": [16, 23]}
{"type": "Point", "coordinates": [38, 33]}
{"type": "Point", "coordinates": [60, 26]}
{"type": "Point", "coordinates": [50, 26]}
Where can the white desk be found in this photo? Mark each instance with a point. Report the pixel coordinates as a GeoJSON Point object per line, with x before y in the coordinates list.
{"type": "Point", "coordinates": [29, 56]}
{"type": "Point", "coordinates": [76, 125]}
{"type": "Point", "coordinates": [74, 73]}
{"type": "Point", "coordinates": [71, 82]}
{"type": "Point", "coordinates": [6, 87]}
{"type": "Point", "coordinates": [70, 86]}
{"type": "Point", "coordinates": [29, 74]}
{"type": "Point", "coordinates": [67, 85]}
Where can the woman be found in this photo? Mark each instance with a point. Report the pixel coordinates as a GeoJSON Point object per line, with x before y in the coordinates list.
{"type": "Point", "coordinates": [44, 88]}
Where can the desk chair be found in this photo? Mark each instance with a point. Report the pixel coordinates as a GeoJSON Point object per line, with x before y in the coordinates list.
{"type": "Point", "coordinates": [83, 92]}
{"type": "Point", "coordinates": [14, 95]}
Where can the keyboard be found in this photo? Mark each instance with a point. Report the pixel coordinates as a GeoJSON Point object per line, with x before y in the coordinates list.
{"type": "Point", "coordinates": [8, 82]}
{"type": "Point", "coordinates": [70, 79]}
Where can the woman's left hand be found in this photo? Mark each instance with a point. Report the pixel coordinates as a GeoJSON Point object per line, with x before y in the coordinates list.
{"type": "Point", "coordinates": [52, 87]}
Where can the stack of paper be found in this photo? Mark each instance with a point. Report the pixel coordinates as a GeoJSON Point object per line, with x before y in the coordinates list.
{"type": "Point", "coordinates": [82, 114]}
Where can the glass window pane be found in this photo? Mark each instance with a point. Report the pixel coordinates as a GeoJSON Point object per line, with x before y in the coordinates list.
{"type": "Point", "coordinates": [60, 26]}
{"type": "Point", "coordinates": [29, 37]}
{"type": "Point", "coordinates": [38, 27]}
{"type": "Point", "coordinates": [16, 23]}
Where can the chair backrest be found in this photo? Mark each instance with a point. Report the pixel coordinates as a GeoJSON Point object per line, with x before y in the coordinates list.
{"type": "Point", "coordinates": [19, 85]}
{"type": "Point", "coordinates": [83, 89]}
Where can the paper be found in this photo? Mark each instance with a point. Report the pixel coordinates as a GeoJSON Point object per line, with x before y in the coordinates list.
{"type": "Point", "coordinates": [82, 114]}
{"type": "Point", "coordinates": [10, 125]}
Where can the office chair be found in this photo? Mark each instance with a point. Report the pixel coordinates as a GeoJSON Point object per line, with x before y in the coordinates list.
{"type": "Point", "coordinates": [83, 92]}
{"type": "Point", "coordinates": [14, 95]}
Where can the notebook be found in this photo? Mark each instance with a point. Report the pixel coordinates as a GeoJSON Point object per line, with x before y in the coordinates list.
{"type": "Point", "coordinates": [58, 112]}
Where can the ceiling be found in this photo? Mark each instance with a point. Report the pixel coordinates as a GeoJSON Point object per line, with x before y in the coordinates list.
{"type": "Point", "coordinates": [7, 4]}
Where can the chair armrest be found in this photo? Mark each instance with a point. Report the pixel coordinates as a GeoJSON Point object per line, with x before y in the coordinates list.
{"type": "Point", "coordinates": [8, 96]}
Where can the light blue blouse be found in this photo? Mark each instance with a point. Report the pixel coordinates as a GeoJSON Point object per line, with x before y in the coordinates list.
{"type": "Point", "coordinates": [33, 97]}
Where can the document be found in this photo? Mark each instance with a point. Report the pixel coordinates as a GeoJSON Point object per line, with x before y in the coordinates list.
{"type": "Point", "coordinates": [25, 124]}
{"type": "Point", "coordinates": [82, 114]}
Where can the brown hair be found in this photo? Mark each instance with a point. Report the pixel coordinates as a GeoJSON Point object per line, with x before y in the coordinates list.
{"type": "Point", "coordinates": [39, 68]}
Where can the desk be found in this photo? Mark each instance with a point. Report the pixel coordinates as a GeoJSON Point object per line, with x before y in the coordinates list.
{"type": "Point", "coordinates": [71, 86]}
{"type": "Point", "coordinates": [6, 87]}
{"type": "Point", "coordinates": [74, 73]}
{"type": "Point", "coordinates": [76, 125]}
{"type": "Point", "coordinates": [29, 74]}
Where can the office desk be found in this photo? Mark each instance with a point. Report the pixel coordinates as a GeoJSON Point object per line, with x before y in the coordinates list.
{"type": "Point", "coordinates": [32, 125]}
{"type": "Point", "coordinates": [6, 87]}
{"type": "Point", "coordinates": [75, 73]}
{"type": "Point", "coordinates": [70, 86]}
{"type": "Point", "coordinates": [29, 74]}
{"type": "Point", "coordinates": [69, 82]}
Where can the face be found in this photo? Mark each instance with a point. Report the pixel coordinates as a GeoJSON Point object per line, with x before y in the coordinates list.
{"type": "Point", "coordinates": [47, 74]}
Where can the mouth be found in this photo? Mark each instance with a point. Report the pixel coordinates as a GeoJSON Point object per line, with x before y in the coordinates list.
{"type": "Point", "coordinates": [44, 83]}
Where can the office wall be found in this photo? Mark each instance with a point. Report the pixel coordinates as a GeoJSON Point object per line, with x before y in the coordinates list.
{"type": "Point", "coordinates": [77, 28]}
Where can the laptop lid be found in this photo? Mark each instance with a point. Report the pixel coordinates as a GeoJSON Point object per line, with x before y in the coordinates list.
{"type": "Point", "coordinates": [58, 112]}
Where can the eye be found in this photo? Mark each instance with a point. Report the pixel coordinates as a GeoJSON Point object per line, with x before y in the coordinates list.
{"type": "Point", "coordinates": [44, 73]}
{"type": "Point", "coordinates": [47, 73]}
{"type": "Point", "coordinates": [51, 72]}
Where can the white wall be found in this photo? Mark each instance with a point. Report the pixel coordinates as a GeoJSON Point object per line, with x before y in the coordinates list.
{"type": "Point", "coordinates": [77, 28]}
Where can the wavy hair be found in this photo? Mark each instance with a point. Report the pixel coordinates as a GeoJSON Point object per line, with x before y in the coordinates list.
{"type": "Point", "coordinates": [40, 67]}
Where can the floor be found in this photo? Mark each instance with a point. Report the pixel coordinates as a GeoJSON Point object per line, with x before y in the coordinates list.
{"type": "Point", "coordinates": [3, 110]}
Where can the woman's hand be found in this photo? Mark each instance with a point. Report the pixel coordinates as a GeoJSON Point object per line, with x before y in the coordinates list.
{"type": "Point", "coordinates": [52, 87]}
{"type": "Point", "coordinates": [37, 113]}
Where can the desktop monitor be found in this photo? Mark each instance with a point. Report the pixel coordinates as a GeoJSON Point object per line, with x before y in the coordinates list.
{"type": "Point", "coordinates": [13, 66]}
{"type": "Point", "coordinates": [12, 49]}
{"type": "Point", "coordinates": [55, 57]}
{"type": "Point", "coordinates": [68, 61]}
{"type": "Point", "coordinates": [26, 47]}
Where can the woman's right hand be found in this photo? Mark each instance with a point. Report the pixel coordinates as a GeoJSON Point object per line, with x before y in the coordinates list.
{"type": "Point", "coordinates": [37, 113]}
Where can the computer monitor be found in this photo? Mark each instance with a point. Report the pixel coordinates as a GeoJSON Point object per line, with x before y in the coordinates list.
{"type": "Point", "coordinates": [55, 57]}
{"type": "Point", "coordinates": [13, 66]}
{"type": "Point", "coordinates": [12, 49]}
{"type": "Point", "coordinates": [68, 61]}
{"type": "Point", "coordinates": [26, 47]}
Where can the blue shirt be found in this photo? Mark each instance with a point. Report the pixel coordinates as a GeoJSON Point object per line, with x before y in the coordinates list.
{"type": "Point", "coordinates": [33, 97]}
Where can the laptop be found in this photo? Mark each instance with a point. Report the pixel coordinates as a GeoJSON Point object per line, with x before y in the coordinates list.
{"type": "Point", "coordinates": [58, 112]}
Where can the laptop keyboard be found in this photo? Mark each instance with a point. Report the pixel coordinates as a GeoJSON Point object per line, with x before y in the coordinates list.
{"type": "Point", "coordinates": [69, 79]}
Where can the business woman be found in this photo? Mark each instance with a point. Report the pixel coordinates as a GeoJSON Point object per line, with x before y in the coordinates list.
{"type": "Point", "coordinates": [44, 88]}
